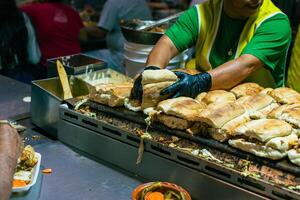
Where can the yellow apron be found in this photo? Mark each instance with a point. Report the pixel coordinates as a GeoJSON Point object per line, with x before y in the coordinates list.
{"type": "Point", "coordinates": [293, 79]}
{"type": "Point", "coordinates": [209, 19]}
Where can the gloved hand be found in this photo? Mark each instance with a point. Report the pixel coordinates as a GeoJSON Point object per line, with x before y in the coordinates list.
{"type": "Point", "coordinates": [189, 85]}
{"type": "Point", "coordinates": [137, 90]}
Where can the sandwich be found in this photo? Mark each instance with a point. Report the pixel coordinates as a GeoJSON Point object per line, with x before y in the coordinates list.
{"type": "Point", "coordinates": [178, 113]}
{"type": "Point", "coordinates": [215, 96]}
{"type": "Point", "coordinates": [112, 95]}
{"type": "Point", "coordinates": [294, 156]}
{"type": "Point", "coordinates": [269, 138]}
{"type": "Point", "coordinates": [153, 82]}
{"type": "Point", "coordinates": [285, 95]}
{"type": "Point", "coordinates": [288, 112]}
{"type": "Point", "coordinates": [246, 89]}
{"type": "Point", "coordinates": [259, 105]}
{"type": "Point", "coordinates": [223, 118]}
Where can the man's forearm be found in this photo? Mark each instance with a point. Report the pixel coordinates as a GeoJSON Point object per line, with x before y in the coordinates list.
{"type": "Point", "coordinates": [162, 53]}
{"type": "Point", "coordinates": [10, 149]}
{"type": "Point", "coordinates": [233, 72]}
{"type": "Point", "coordinates": [7, 166]}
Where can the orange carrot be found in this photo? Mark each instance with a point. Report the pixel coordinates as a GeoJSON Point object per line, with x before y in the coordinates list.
{"type": "Point", "coordinates": [154, 196]}
{"type": "Point", "coordinates": [19, 183]}
{"type": "Point", "coordinates": [47, 171]}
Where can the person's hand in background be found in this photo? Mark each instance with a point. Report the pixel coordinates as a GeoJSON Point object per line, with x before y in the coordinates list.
{"type": "Point", "coordinates": [10, 150]}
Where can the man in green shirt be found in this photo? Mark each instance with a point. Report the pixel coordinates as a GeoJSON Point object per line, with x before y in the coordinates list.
{"type": "Point", "coordinates": [234, 39]}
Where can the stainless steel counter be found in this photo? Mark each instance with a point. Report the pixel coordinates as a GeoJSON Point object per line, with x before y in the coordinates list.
{"type": "Point", "coordinates": [74, 176]}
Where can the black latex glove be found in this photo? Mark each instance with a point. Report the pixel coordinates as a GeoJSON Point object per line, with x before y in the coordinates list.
{"type": "Point", "coordinates": [137, 90]}
{"type": "Point", "coordinates": [188, 85]}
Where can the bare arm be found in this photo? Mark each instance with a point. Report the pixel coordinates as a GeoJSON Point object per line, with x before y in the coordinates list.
{"type": "Point", "coordinates": [162, 53]}
{"type": "Point", "coordinates": [10, 149]}
{"type": "Point", "coordinates": [233, 72]}
{"type": "Point", "coordinates": [224, 76]}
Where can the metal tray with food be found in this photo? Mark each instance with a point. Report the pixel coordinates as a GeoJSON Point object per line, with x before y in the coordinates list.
{"type": "Point", "coordinates": [139, 117]}
{"type": "Point", "coordinates": [27, 170]}
{"type": "Point", "coordinates": [146, 37]}
{"type": "Point", "coordinates": [102, 131]}
{"type": "Point", "coordinates": [75, 64]}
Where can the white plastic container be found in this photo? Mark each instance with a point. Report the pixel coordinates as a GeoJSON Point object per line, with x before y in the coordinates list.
{"type": "Point", "coordinates": [34, 175]}
{"type": "Point", "coordinates": [135, 58]}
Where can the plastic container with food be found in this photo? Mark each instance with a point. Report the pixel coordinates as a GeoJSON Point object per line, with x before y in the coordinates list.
{"type": "Point", "coordinates": [24, 179]}
{"type": "Point", "coordinates": [160, 191]}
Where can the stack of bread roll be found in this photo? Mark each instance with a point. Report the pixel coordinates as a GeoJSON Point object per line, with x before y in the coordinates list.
{"type": "Point", "coordinates": [261, 121]}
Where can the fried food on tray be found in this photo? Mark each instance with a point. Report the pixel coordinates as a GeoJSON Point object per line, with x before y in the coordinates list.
{"type": "Point", "coordinates": [285, 95]}
{"type": "Point", "coordinates": [246, 89]}
{"type": "Point", "coordinates": [112, 95]}
{"type": "Point", "coordinates": [28, 159]}
{"type": "Point", "coordinates": [269, 138]}
{"type": "Point", "coordinates": [26, 163]}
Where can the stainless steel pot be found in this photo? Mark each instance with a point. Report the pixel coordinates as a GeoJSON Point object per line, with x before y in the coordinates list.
{"type": "Point", "coordinates": [141, 37]}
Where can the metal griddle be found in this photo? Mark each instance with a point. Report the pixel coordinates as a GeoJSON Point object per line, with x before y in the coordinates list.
{"type": "Point", "coordinates": [138, 117]}
{"type": "Point", "coordinates": [114, 139]}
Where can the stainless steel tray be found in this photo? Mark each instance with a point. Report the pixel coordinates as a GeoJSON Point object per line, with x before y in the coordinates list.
{"type": "Point", "coordinates": [75, 64]}
{"type": "Point", "coordinates": [140, 37]}
{"type": "Point", "coordinates": [46, 96]}
{"type": "Point", "coordinates": [105, 76]}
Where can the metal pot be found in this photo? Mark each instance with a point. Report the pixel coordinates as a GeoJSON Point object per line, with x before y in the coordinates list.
{"type": "Point", "coordinates": [140, 37]}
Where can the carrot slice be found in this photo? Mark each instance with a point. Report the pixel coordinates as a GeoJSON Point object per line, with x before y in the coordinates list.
{"type": "Point", "coordinates": [154, 196]}
{"type": "Point", "coordinates": [47, 171]}
{"type": "Point", "coordinates": [19, 183]}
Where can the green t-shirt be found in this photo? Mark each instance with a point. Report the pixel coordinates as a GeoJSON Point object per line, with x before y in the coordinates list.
{"type": "Point", "coordinates": [269, 43]}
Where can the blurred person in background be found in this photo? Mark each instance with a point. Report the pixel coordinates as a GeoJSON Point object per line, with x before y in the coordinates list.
{"type": "Point", "coordinates": [58, 28]}
{"type": "Point", "coordinates": [109, 27]}
{"type": "Point", "coordinates": [19, 52]}
{"type": "Point", "coordinates": [10, 150]}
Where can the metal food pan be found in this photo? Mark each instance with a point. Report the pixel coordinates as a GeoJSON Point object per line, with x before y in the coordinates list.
{"type": "Point", "coordinates": [140, 37]}
{"type": "Point", "coordinates": [75, 64]}
{"type": "Point", "coordinates": [46, 96]}
{"type": "Point", "coordinates": [76, 127]}
{"type": "Point", "coordinates": [104, 76]}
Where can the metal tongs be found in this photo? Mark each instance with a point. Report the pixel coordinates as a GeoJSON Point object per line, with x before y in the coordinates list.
{"type": "Point", "coordinates": [159, 22]}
